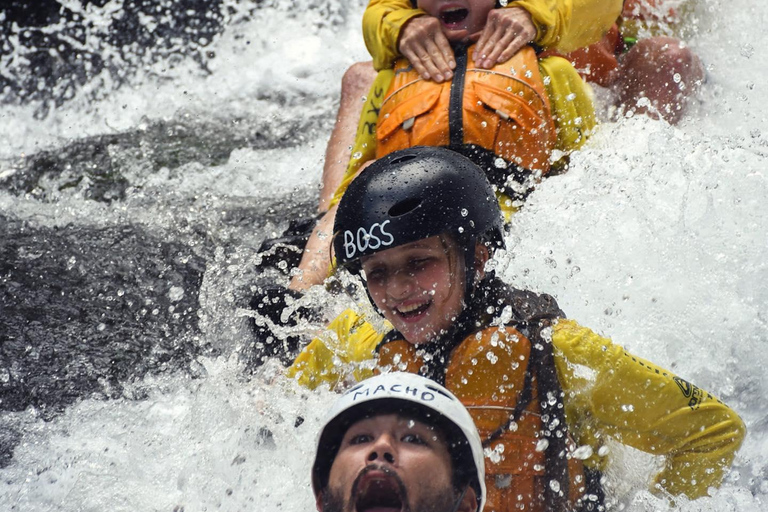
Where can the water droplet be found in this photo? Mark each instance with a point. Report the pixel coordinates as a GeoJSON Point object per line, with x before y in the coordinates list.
{"type": "Point", "coordinates": [583, 452]}
{"type": "Point", "coordinates": [175, 293]}
{"type": "Point", "coordinates": [464, 212]}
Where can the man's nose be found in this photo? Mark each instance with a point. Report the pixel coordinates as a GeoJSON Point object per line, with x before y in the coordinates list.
{"type": "Point", "coordinates": [382, 450]}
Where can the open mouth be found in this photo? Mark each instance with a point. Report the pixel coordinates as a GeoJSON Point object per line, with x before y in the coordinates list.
{"type": "Point", "coordinates": [453, 16]}
{"type": "Point", "coordinates": [379, 493]}
{"type": "Point", "coordinates": [412, 311]}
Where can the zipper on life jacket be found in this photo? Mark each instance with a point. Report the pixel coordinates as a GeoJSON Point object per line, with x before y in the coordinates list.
{"type": "Point", "coordinates": [456, 103]}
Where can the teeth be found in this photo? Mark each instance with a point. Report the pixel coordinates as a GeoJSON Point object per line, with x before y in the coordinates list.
{"type": "Point", "coordinates": [408, 309]}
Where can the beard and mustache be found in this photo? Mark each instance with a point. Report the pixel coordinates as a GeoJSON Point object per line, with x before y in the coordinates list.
{"type": "Point", "coordinates": [432, 500]}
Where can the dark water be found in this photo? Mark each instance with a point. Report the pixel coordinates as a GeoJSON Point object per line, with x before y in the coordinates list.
{"type": "Point", "coordinates": [86, 307]}
{"type": "Point", "coordinates": [52, 50]}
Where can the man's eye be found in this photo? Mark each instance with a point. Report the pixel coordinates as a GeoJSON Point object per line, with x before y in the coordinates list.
{"type": "Point", "coordinates": [360, 439]}
{"type": "Point", "coordinates": [414, 439]}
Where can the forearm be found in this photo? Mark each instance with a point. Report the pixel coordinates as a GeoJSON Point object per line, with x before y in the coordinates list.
{"type": "Point", "coordinates": [314, 366]}
{"type": "Point", "coordinates": [702, 459]}
{"type": "Point", "coordinates": [567, 25]}
{"type": "Point", "coordinates": [382, 23]}
{"type": "Point", "coordinates": [651, 409]}
{"type": "Point", "coordinates": [342, 353]}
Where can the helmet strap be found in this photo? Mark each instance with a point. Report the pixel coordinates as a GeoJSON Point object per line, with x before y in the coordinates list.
{"type": "Point", "coordinates": [461, 498]}
{"type": "Point", "coordinates": [469, 270]}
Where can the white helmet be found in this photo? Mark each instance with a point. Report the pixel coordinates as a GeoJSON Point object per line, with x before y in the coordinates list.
{"type": "Point", "coordinates": [396, 392]}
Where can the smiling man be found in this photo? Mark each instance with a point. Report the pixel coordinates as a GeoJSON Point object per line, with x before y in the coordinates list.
{"type": "Point", "coordinates": [399, 443]}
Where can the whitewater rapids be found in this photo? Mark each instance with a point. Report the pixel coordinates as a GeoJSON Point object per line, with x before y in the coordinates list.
{"type": "Point", "coordinates": [656, 237]}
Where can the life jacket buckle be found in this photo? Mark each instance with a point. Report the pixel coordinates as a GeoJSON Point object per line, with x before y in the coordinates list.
{"type": "Point", "coordinates": [503, 481]}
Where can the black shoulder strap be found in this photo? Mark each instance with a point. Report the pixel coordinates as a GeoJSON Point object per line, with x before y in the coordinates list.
{"type": "Point", "coordinates": [533, 313]}
{"type": "Point", "coordinates": [391, 336]}
{"type": "Point", "coordinates": [529, 307]}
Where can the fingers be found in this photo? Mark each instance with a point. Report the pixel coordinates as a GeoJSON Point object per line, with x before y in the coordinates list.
{"type": "Point", "coordinates": [506, 31]}
{"type": "Point", "coordinates": [425, 46]}
{"type": "Point", "coordinates": [502, 48]}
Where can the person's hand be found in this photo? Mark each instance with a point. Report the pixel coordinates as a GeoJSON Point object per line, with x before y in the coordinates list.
{"type": "Point", "coordinates": [506, 31]}
{"type": "Point", "coordinates": [425, 46]}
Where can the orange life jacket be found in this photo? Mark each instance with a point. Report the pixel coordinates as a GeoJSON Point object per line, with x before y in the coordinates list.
{"type": "Point", "coordinates": [487, 372]}
{"type": "Point", "coordinates": [482, 113]}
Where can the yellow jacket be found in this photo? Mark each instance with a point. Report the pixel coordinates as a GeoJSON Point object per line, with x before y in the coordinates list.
{"type": "Point", "coordinates": [608, 392]}
{"type": "Point", "coordinates": [564, 25]}
{"type": "Point", "coordinates": [561, 24]}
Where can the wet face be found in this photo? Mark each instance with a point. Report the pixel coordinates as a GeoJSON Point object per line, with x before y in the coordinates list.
{"type": "Point", "coordinates": [418, 286]}
{"type": "Point", "coordinates": [390, 463]}
{"type": "Point", "coordinates": [459, 18]}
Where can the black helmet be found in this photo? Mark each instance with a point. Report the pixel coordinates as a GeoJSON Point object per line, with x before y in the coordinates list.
{"type": "Point", "coordinates": [413, 194]}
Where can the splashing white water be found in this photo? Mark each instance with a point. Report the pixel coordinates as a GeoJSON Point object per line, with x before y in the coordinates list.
{"type": "Point", "coordinates": [657, 237]}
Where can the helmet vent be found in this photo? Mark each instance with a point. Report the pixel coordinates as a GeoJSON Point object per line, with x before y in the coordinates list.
{"type": "Point", "coordinates": [402, 159]}
{"type": "Point", "coordinates": [404, 207]}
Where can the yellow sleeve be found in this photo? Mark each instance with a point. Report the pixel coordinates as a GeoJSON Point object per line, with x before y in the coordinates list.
{"type": "Point", "coordinates": [382, 21]}
{"type": "Point", "coordinates": [364, 148]}
{"type": "Point", "coordinates": [345, 352]}
{"type": "Point", "coordinates": [568, 25]}
{"type": "Point", "coordinates": [565, 25]}
{"type": "Point", "coordinates": [611, 392]}
{"type": "Point", "coordinates": [571, 102]}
